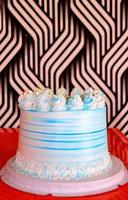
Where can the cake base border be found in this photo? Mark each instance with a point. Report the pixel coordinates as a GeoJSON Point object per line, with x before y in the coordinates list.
{"type": "Point", "coordinates": [116, 176]}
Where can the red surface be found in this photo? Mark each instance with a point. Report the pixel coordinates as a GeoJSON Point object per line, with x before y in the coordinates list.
{"type": "Point", "coordinates": [118, 145]}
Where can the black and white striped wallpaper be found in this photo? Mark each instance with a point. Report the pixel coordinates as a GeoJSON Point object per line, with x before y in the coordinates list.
{"type": "Point", "coordinates": [74, 43]}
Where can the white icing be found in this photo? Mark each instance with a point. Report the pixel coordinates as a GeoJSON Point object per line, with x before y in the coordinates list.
{"type": "Point", "coordinates": [61, 171]}
{"type": "Point", "coordinates": [27, 101]}
{"type": "Point", "coordinates": [44, 101]}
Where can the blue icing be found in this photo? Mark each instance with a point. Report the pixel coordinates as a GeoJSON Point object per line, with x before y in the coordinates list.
{"type": "Point", "coordinates": [65, 141]}
{"type": "Point", "coordinates": [66, 132]}
{"type": "Point", "coordinates": [65, 149]}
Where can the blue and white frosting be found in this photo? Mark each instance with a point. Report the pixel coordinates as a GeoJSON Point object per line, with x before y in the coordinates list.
{"type": "Point", "coordinates": [88, 101]}
{"type": "Point", "coordinates": [61, 171]}
{"type": "Point", "coordinates": [27, 101]}
{"type": "Point", "coordinates": [45, 100]}
{"type": "Point", "coordinates": [88, 98]}
{"type": "Point", "coordinates": [93, 99]}
{"type": "Point", "coordinates": [58, 103]}
{"type": "Point", "coordinates": [75, 103]}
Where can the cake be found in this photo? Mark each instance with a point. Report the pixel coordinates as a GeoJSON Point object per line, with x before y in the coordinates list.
{"type": "Point", "coordinates": [62, 142]}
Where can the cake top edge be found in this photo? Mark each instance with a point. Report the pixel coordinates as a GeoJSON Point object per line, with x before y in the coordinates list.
{"type": "Point", "coordinates": [44, 99]}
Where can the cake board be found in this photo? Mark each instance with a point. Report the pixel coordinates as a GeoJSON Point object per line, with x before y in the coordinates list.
{"type": "Point", "coordinates": [117, 175]}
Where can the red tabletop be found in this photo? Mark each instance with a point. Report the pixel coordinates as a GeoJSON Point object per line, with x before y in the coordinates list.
{"type": "Point", "coordinates": [8, 146]}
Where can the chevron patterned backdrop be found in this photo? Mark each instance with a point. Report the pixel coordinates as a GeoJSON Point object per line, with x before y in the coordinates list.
{"type": "Point", "coordinates": [74, 43]}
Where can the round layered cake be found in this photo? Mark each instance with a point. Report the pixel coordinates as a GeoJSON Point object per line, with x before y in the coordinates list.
{"type": "Point", "coordinates": [62, 146]}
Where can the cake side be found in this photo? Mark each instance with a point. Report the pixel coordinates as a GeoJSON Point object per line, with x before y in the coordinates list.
{"type": "Point", "coordinates": [68, 131]}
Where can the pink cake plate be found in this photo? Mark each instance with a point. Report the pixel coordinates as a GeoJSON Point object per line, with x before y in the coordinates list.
{"type": "Point", "coordinates": [117, 175]}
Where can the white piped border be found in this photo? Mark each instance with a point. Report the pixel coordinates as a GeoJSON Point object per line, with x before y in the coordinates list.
{"type": "Point", "coordinates": [61, 171]}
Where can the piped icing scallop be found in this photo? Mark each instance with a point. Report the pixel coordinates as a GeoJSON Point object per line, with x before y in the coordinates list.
{"type": "Point", "coordinates": [45, 100]}
{"type": "Point", "coordinates": [27, 101]}
{"type": "Point", "coordinates": [75, 103]}
{"type": "Point", "coordinates": [58, 103]}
